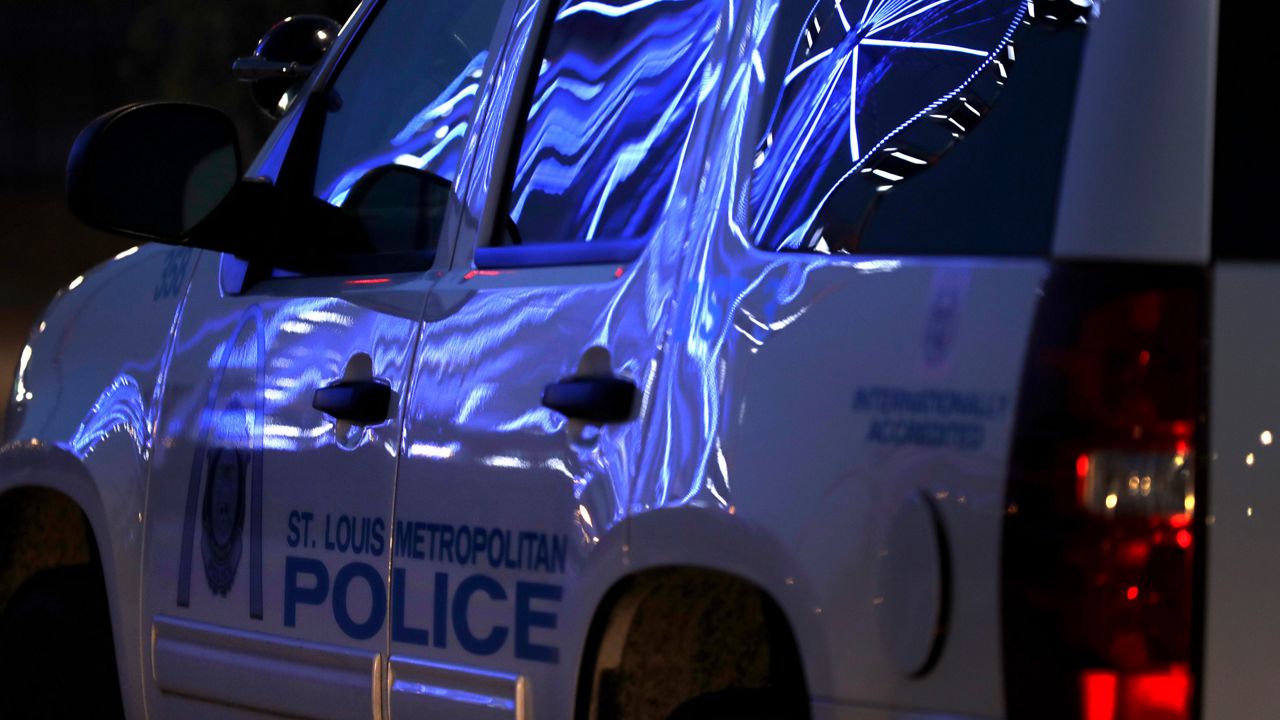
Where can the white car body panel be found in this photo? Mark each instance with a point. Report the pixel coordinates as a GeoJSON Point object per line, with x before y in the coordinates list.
{"type": "Point", "coordinates": [765, 445]}
{"type": "Point", "coordinates": [826, 467]}
{"type": "Point", "coordinates": [1138, 184]}
{"type": "Point", "coordinates": [325, 491]}
{"type": "Point", "coordinates": [1242, 646]}
{"type": "Point", "coordinates": [85, 424]}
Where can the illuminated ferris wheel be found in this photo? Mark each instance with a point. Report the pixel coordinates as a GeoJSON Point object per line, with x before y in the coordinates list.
{"type": "Point", "coordinates": [879, 91]}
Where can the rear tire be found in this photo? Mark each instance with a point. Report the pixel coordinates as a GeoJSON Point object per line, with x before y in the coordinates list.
{"type": "Point", "coordinates": [56, 655]}
{"type": "Point", "coordinates": [742, 704]}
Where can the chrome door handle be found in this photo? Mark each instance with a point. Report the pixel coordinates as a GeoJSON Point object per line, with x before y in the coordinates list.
{"type": "Point", "coordinates": [360, 402]}
{"type": "Point", "coordinates": [593, 400]}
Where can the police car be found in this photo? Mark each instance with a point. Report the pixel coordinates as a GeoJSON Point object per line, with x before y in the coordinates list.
{"type": "Point", "coordinates": [857, 359]}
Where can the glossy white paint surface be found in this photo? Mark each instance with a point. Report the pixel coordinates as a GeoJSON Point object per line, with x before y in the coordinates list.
{"type": "Point", "coordinates": [751, 454]}
{"type": "Point", "coordinates": [241, 381]}
{"type": "Point", "coordinates": [799, 489]}
{"type": "Point", "coordinates": [86, 423]}
{"type": "Point", "coordinates": [262, 673]}
{"type": "Point", "coordinates": [422, 689]}
{"type": "Point", "coordinates": [1242, 639]}
{"type": "Point", "coordinates": [1139, 175]}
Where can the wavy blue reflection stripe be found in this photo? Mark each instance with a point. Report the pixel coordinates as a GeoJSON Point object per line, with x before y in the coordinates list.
{"type": "Point", "coordinates": [458, 91]}
{"type": "Point", "coordinates": [472, 182]}
{"type": "Point", "coordinates": [608, 127]}
{"type": "Point", "coordinates": [432, 139]}
{"type": "Point", "coordinates": [607, 10]}
{"type": "Point", "coordinates": [119, 408]}
{"type": "Point", "coordinates": [693, 466]}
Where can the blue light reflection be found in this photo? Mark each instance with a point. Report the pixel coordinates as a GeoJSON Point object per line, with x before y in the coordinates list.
{"type": "Point", "coordinates": [611, 118]}
{"type": "Point", "coordinates": [860, 71]}
{"type": "Point", "coordinates": [432, 139]}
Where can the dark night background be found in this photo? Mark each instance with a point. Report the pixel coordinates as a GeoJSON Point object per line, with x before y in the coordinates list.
{"type": "Point", "coordinates": [67, 61]}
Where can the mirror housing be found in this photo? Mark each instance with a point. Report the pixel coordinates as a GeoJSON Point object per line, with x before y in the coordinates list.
{"type": "Point", "coordinates": [170, 172]}
{"type": "Point", "coordinates": [283, 60]}
{"type": "Point", "coordinates": [152, 170]}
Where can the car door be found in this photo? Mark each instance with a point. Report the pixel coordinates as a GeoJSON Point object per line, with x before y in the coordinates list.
{"type": "Point", "coordinates": [270, 499]}
{"type": "Point", "coordinates": [879, 239]}
{"type": "Point", "coordinates": [526, 420]}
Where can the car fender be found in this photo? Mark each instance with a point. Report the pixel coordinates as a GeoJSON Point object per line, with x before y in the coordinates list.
{"type": "Point", "coordinates": [84, 410]}
{"type": "Point", "coordinates": [713, 539]}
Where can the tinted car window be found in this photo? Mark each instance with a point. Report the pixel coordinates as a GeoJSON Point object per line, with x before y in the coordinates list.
{"type": "Point", "coordinates": [613, 105]}
{"type": "Point", "coordinates": [398, 111]}
{"type": "Point", "coordinates": [915, 126]}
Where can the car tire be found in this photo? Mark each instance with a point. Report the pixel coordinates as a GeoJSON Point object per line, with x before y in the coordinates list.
{"type": "Point", "coordinates": [56, 655]}
{"type": "Point", "coordinates": [742, 704]}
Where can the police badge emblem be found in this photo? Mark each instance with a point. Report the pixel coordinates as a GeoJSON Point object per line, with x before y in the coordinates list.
{"type": "Point", "coordinates": [224, 489]}
{"type": "Point", "coordinates": [223, 516]}
{"type": "Point", "coordinates": [222, 520]}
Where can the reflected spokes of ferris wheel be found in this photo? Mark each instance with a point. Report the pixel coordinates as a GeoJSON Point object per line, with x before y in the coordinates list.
{"type": "Point", "coordinates": [903, 25]}
{"type": "Point", "coordinates": [853, 81]}
{"type": "Point", "coordinates": [870, 75]}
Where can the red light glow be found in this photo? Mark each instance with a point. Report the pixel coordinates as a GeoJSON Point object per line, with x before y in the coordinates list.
{"type": "Point", "coordinates": [369, 281]}
{"type": "Point", "coordinates": [1098, 621]}
{"type": "Point", "coordinates": [1082, 478]}
{"type": "Point", "coordinates": [1134, 553]}
{"type": "Point", "coordinates": [617, 273]}
{"type": "Point", "coordinates": [1108, 695]}
{"type": "Point", "coordinates": [1099, 694]}
{"type": "Point", "coordinates": [1184, 539]}
{"type": "Point", "coordinates": [1157, 695]}
{"type": "Point", "coordinates": [485, 273]}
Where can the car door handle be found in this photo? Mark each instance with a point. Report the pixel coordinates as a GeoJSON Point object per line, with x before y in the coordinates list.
{"type": "Point", "coordinates": [360, 402]}
{"type": "Point", "coordinates": [593, 400]}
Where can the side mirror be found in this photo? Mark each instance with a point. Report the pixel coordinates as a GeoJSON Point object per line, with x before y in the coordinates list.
{"type": "Point", "coordinates": [284, 58]}
{"type": "Point", "coordinates": [401, 207]}
{"type": "Point", "coordinates": [153, 170]}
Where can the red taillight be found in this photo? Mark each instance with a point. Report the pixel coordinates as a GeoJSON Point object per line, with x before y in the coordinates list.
{"type": "Point", "coordinates": [1108, 695]}
{"type": "Point", "coordinates": [1101, 532]}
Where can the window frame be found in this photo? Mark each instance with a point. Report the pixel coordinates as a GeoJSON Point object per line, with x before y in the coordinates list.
{"type": "Point", "coordinates": [290, 158]}
{"type": "Point", "coordinates": [478, 251]}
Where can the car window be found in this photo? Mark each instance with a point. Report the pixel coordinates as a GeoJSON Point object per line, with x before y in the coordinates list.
{"type": "Point", "coordinates": [397, 114]}
{"type": "Point", "coordinates": [609, 116]}
{"type": "Point", "coordinates": [915, 126]}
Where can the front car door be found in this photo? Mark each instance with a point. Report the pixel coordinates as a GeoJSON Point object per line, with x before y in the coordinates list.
{"type": "Point", "coordinates": [268, 523]}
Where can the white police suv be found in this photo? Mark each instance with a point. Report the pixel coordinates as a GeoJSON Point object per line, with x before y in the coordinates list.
{"type": "Point", "coordinates": [590, 359]}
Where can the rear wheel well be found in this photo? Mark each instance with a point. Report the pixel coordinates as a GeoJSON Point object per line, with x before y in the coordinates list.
{"type": "Point", "coordinates": [40, 528]}
{"type": "Point", "coordinates": [666, 636]}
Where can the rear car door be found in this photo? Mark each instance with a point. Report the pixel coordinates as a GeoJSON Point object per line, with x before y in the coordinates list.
{"type": "Point", "coordinates": [270, 500]}
{"type": "Point", "coordinates": [885, 195]}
